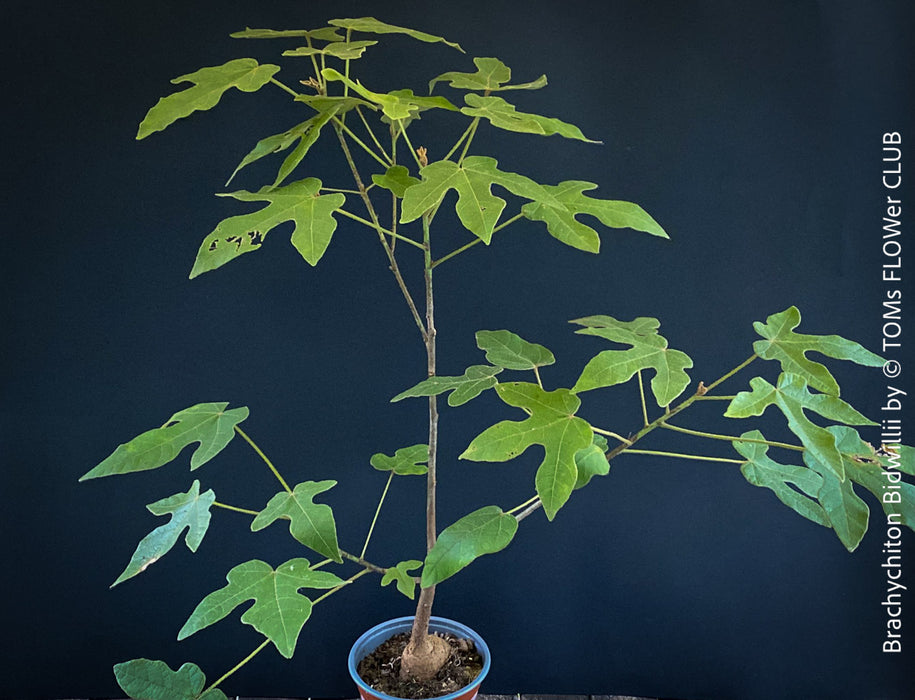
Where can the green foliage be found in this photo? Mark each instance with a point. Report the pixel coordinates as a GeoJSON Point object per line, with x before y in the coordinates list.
{"type": "Point", "coordinates": [566, 201]}
{"type": "Point", "coordinates": [870, 470]}
{"type": "Point", "coordinates": [374, 26]}
{"type": "Point", "coordinates": [300, 202]}
{"type": "Point", "coordinates": [503, 115]}
{"type": "Point", "coordinates": [323, 34]}
{"type": "Point", "coordinates": [190, 511]}
{"type": "Point", "coordinates": [781, 343]}
{"type": "Point", "coordinates": [490, 76]}
{"type": "Point", "coordinates": [345, 50]}
{"type": "Point", "coordinates": [396, 105]}
{"type": "Point", "coordinates": [144, 679]}
{"type": "Point", "coordinates": [305, 133]}
{"type": "Point", "coordinates": [209, 424]}
{"type": "Point", "coordinates": [310, 523]}
{"type": "Point", "coordinates": [477, 207]}
{"type": "Point", "coordinates": [475, 380]}
{"type": "Point", "coordinates": [400, 198]}
{"type": "Point", "coordinates": [209, 85]}
{"type": "Point", "coordinates": [279, 610]}
{"type": "Point", "coordinates": [792, 397]}
{"type": "Point", "coordinates": [761, 470]}
{"type": "Point", "coordinates": [591, 461]}
{"type": "Point", "coordinates": [396, 179]}
{"type": "Point", "coordinates": [816, 493]}
{"type": "Point", "coordinates": [510, 351]}
{"type": "Point", "coordinates": [406, 583]}
{"type": "Point", "coordinates": [551, 423]}
{"type": "Point", "coordinates": [648, 351]}
{"type": "Point", "coordinates": [484, 531]}
{"type": "Point", "coordinates": [405, 462]}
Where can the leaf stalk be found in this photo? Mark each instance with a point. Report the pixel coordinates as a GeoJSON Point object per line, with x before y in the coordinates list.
{"type": "Point", "coordinates": [264, 457]}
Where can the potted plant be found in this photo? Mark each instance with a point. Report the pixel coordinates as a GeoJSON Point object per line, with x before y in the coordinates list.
{"type": "Point", "coordinates": [401, 190]}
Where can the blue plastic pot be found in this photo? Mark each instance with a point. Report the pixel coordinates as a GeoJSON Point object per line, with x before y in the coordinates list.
{"type": "Point", "coordinates": [372, 639]}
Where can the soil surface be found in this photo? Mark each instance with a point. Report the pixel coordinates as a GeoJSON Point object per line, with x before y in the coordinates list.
{"type": "Point", "coordinates": [381, 669]}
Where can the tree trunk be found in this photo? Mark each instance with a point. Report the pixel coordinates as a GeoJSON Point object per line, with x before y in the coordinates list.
{"type": "Point", "coordinates": [426, 654]}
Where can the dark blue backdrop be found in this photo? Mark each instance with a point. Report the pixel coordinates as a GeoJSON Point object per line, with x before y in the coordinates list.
{"type": "Point", "coordinates": [751, 132]}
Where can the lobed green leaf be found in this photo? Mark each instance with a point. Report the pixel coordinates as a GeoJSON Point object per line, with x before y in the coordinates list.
{"type": "Point", "coordinates": [189, 511]}
{"type": "Point", "coordinates": [477, 207]}
{"type": "Point", "coordinates": [475, 380]}
{"type": "Point", "coordinates": [374, 26]}
{"type": "Point", "coordinates": [551, 423]}
{"type": "Point", "coordinates": [847, 513]}
{"type": "Point", "coordinates": [145, 679]}
{"type": "Point", "coordinates": [562, 203]}
{"type": "Point", "coordinates": [761, 470]}
{"type": "Point", "coordinates": [400, 573]}
{"type": "Point", "coordinates": [405, 462]}
{"type": "Point", "coordinates": [208, 424]}
{"type": "Point", "coordinates": [300, 202]}
{"type": "Point", "coordinates": [592, 461]}
{"type": "Point", "coordinates": [792, 397]}
{"type": "Point", "coordinates": [344, 50]}
{"type": "Point", "coordinates": [396, 179]}
{"type": "Point", "coordinates": [396, 105]}
{"type": "Point", "coordinates": [279, 610]}
{"type": "Point", "coordinates": [310, 523]}
{"type": "Point", "coordinates": [306, 134]}
{"type": "Point", "coordinates": [866, 467]}
{"type": "Point", "coordinates": [503, 115]}
{"type": "Point", "coordinates": [781, 343]}
{"type": "Point", "coordinates": [649, 351]}
{"type": "Point", "coordinates": [322, 34]}
{"type": "Point", "coordinates": [483, 531]}
{"type": "Point", "coordinates": [819, 495]}
{"type": "Point", "coordinates": [511, 351]}
{"type": "Point", "coordinates": [491, 75]}
{"type": "Point", "coordinates": [245, 74]}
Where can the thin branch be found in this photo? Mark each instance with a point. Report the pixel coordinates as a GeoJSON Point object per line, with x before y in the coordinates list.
{"type": "Point", "coordinates": [246, 511]}
{"type": "Point", "coordinates": [473, 132]}
{"type": "Point", "coordinates": [701, 392]}
{"type": "Point", "coordinates": [237, 666]}
{"type": "Point", "coordinates": [731, 438]}
{"type": "Point", "coordinates": [684, 456]}
{"type": "Point", "coordinates": [732, 372]}
{"type": "Point", "coordinates": [476, 241]}
{"type": "Point", "coordinates": [413, 151]}
{"type": "Point", "coordinates": [456, 252]}
{"type": "Point", "coordinates": [264, 457]}
{"type": "Point", "coordinates": [642, 396]}
{"type": "Point", "coordinates": [371, 133]}
{"type": "Point", "coordinates": [384, 494]}
{"type": "Point", "coordinates": [369, 566]}
{"type": "Point", "coordinates": [470, 128]}
{"type": "Point", "coordinates": [382, 229]}
{"type": "Point", "coordinates": [526, 504]}
{"type": "Point", "coordinates": [319, 79]}
{"type": "Point", "coordinates": [344, 127]}
{"type": "Point", "coordinates": [340, 189]}
{"type": "Point", "coordinates": [284, 87]}
{"type": "Point", "coordinates": [395, 269]}
{"type": "Point", "coordinates": [348, 581]}
{"type": "Point", "coordinates": [530, 509]}
{"type": "Point", "coordinates": [610, 433]}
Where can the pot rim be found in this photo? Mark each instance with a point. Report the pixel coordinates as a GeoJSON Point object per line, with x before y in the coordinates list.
{"type": "Point", "coordinates": [383, 631]}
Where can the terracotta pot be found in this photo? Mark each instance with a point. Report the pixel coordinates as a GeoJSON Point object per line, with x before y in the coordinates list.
{"type": "Point", "coordinates": [369, 641]}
